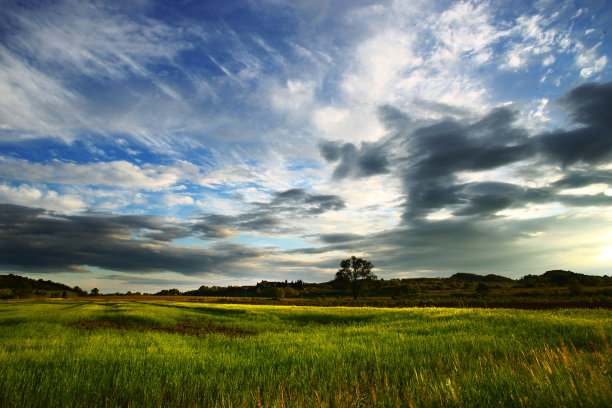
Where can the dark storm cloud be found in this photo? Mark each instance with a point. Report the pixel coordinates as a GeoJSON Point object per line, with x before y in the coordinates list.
{"type": "Point", "coordinates": [223, 226]}
{"type": "Point", "coordinates": [588, 105]}
{"type": "Point", "coordinates": [40, 241]}
{"type": "Point", "coordinates": [438, 152]}
{"type": "Point", "coordinates": [299, 200]}
{"type": "Point", "coordinates": [487, 198]}
{"type": "Point", "coordinates": [214, 228]}
{"type": "Point", "coordinates": [394, 119]}
{"type": "Point", "coordinates": [485, 204]}
{"type": "Point", "coordinates": [270, 216]}
{"type": "Point", "coordinates": [428, 159]}
{"type": "Point", "coordinates": [450, 146]}
{"type": "Point", "coordinates": [366, 161]}
{"type": "Point", "coordinates": [595, 200]}
{"type": "Point", "coordinates": [592, 145]}
{"type": "Point", "coordinates": [331, 151]}
{"type": "Point", "coordinates": [577, 179]}
{"type": "Point", "coordinates": [147, 280]}
{"type": "Point", "coordinates": [338, 238]}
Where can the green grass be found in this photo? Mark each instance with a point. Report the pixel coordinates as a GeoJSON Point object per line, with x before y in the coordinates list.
{"type": "Point", "coordinates": [132, 354]}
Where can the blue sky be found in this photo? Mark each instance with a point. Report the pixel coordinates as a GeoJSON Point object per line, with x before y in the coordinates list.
{"type": "Point", "coordinates": [159, 144]}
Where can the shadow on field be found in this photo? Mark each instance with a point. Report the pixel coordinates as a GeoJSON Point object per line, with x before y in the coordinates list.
{"type": "Point", "coordinates": [303, 319]}
{"type": "Point", "coordinates": [204, 309]}
{"type": "Point", "coordinates": [79, 303]}
{"type": "Point", "coordinates": [184, 328]}
{"type": "Point", "coordinates": [11, 321]}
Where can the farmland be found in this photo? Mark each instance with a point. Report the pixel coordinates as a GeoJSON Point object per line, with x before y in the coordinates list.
{"type": "Point", "coordinates": [164, 353]}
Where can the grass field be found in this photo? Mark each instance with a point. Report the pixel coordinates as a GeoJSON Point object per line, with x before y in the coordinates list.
{"type": "Point", "coordinates": [106, 353]}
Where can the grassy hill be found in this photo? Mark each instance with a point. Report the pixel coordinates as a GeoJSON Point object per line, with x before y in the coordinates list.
{"type": "Point", "coordinates": [15, 286]}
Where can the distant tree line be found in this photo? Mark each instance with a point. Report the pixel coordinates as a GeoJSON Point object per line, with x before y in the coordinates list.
{"type": "Point", "coordinates": [348, 281]}
{"type": "Point", "coordinates": [20, 287]}
{"type": "Point", "coordinates": [459, 284]}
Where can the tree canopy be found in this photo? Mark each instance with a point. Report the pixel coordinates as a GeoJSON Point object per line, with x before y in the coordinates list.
{"type": "Point", "coordinates": [356, 274]}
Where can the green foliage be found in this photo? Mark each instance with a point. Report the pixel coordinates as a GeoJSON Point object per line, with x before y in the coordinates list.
{"type": "Point", "coordinates": [78, 291]}
{"type": "Point", "coordinates": [169, 292]}
{"type": "Point", "coordinates": [300, 356]}
{"type": "Point", "coordinates": [19, 287]}
{"type": "Point", "coordinates": [355, 274]}
{"type": "Point", "coordinates": [483, 289]}
{"type": "Point", "coordinates": [6, 293]}
{"type": "Point", "coordinates": [575, 288]}
{"type": "Point", "coordinates": [472, 277]}
{"type": "Point", "coordinates": [564, 278]}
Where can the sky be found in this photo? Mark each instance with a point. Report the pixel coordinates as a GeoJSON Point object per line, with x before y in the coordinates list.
{"type": "Point", "coordinates": [147, 145]}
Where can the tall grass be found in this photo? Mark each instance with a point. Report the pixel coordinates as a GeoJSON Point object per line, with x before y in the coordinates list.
{"type": "Point", "coordinates": [301, 356]}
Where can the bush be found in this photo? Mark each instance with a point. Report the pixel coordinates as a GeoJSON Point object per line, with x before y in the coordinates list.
{"type": "Point", "coordinates": [575, 288]}
{"type": "Point", "coordinates": [483, 289]}
{"type": "Point", "coordinates": [6, 293]}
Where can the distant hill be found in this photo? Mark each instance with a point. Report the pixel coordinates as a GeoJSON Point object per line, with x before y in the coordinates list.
{"type": "Point", "coordinates": [472, 277]}
{"type": "Point", "coordinates": [560, 277]}
{"type": "Point", "coordinates": [15, 286]}
{"type": "Point", "coordinates": [555, 277]}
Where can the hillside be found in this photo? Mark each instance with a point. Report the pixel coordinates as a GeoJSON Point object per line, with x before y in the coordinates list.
{"type": "Point", "coordinates": [15, 286]}
{"type": "Point", "coordinates": [472, 277]}
{"type": "Point", "coordinates": [564, 278]}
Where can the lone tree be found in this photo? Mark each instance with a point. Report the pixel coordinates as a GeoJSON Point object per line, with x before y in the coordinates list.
{"type": "Point", "coordinates": [356, 274]}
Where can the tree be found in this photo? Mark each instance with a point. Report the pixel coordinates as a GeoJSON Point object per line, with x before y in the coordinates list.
{"type": "Point", "coordinates": [355, 274]}
{"type": "Point", "coordinates": [95, 292]}
{"type": "Point", "coordinates": [79, 291]}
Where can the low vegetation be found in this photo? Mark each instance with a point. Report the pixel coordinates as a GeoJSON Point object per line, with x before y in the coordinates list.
{"type": "Point", "coordinates": [20, 287]}
{"type": "Point", "coordinates": [552, 289]}
{"type": "Point", "coordinates": [147, 354]}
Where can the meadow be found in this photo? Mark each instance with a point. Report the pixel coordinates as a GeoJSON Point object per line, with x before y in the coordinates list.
{"type": "Point", "coordinates": [163, 353]}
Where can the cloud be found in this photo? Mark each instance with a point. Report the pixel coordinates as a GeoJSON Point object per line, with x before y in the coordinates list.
{"type": "Point", "coordinates": [588, 106]}
{"type": "Point", "coordinates": [214, 227]}
{"type": "Point", "coordinates": [74, 68]}
{"type": "Point", "coordinates": [276, 216]}
{"type": "Point", "coordinates": [429, 159]}
{"type": "Point", "coordinates": [589, 61]}
{"type": "Point", "coordinates": [478, 245]}
{"type": "Point", "coordinates": [506, 196]}
{"type": "Point", "coordinates": [224, 226]}
{"type": "Point", "coordinates": [26, 194]}
{"type": "Point", "coordinates": [116, 173]}
{"type": "Point", "coordinates": [300, 201]}
{"type": "Point", "coordinates": [338, 238]}
{"type": "Point", "coordinates": [369, 160]}
{"type": "Point", "coordinates": [50, 48]}
{"type": "Point", "coordinates": [41, 241]}
{"type": "Point", "coordinates": [583, 178]}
